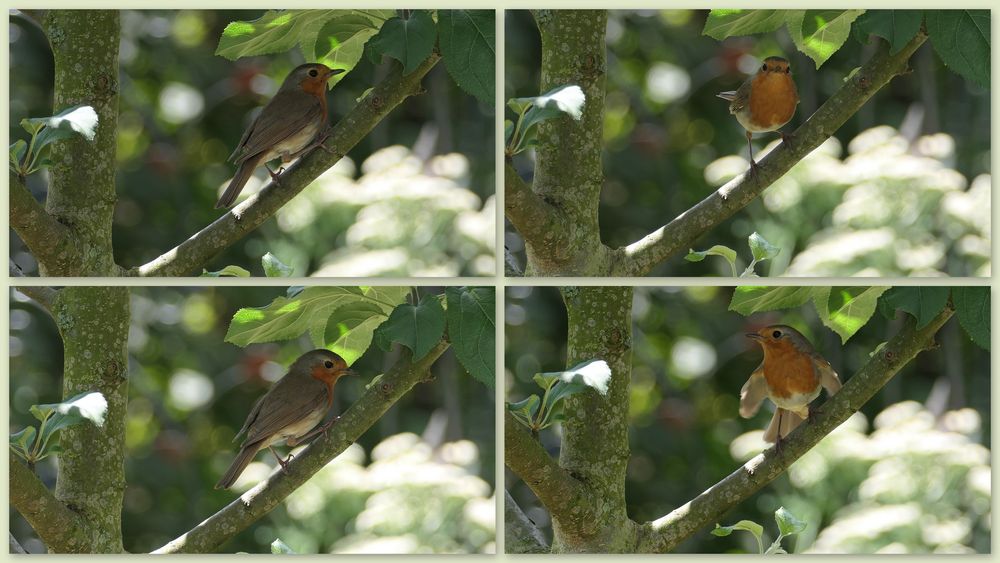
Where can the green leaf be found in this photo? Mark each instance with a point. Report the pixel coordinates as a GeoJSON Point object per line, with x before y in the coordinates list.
{"type": "Point", "coordinates": [923, 303]}
{"type": "Point", "coordinates": [274, 32]}
{"type": "Point", "coordinates": [274, 268]}
{"type": "Point", "coordinates": [788, 523]}
{"type": "Point", "coordinates": [727, 23]}
{"type": "Point", "coordinates": [745, 525]}
{"type": "Point", "coordinates": [350, 329]}
{"type": "Point", "coordinates": [525, 410]}
{"type": "Point", "coordinates": [568, 99]}
{"type": "Point", "coordinates": [22, 442]}
{"type": "Point", "coordinates": [761, 249]}
{"type": "Point", "coordinates": [86, 406]}
{"type": "Point", "coordinates": [846, 309]}
{"type": "Point", "coordinates": [595, 374]}
{"type": "Point", "coordinates": [472, 330]}
{"type": "Point", "coordinates": [418, 328]}
{"type": "Point", "coordinates": [279, 547]}
{"type": "Point", "coordinates": [288, 317]}
{"type": "Point", "coordinates": [408, 41]}
{"type": "Point", "coordinates": [17, 150]}
{"type": "Point", "coordinates": [467, 40]}
{"type": "Point", "coordinates": [519, 105]}
{"type": "Point", "coordinates": [748, 300]}
{"type": "Point", "coordinates": [897, 27]}
{"type": "Point", "coordinates": [718, 250]}
{"type": "Point", "coordinates": [76, 120]}
{"type": "Point", "coordinates": [341, 41]}
{"type": "Point", "coordinates": [227, 272]}
{"type": "Point", "coordinates": [820, 33]}
{"type": "Point", "coordinates": [508, 131]}
{"type": "Point", "coordinates": [972, 306]}
{"type": "Point", "coordinates": [962, 39]}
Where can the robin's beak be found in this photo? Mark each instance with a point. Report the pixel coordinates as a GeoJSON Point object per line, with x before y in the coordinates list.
{"type": "Point", "coordinates": [348, 372]}
{"type": "Point", "coordinates": [334, 72]}
{"type": "Point", "coordinates": [755, 336]}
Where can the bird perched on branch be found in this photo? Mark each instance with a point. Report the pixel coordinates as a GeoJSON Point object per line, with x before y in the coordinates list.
{"type": "Point", "coordinates": [765, 101]}
{"type": "Point", "coordinates": [290, 410]}
{"type": "Point", "coordinates": [291, 124]}
{"type": "Point", "coordinates": [791, 375]}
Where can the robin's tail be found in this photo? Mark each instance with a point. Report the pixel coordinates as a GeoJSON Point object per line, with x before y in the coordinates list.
{"type": "Point", "coordinates": [243, 174]}
{"type": "Point", "coordinates": [786, 419]}
{"type": "Point", "coordinates": [243, 459]}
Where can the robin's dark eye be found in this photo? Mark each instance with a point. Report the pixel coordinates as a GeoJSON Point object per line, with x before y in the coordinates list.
{"type": "Point", "coordinates": [314, 73]}
{"type": "Point", "coordinates": [764, 66]}
{"type": "Point", "coordinates": [788, 70]}
{"type": "Point", "coordinates": [776, 334]}
{"type": "Point", "coordinates": [328, 364]}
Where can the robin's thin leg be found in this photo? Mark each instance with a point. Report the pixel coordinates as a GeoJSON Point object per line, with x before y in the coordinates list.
{"type": "Point", "coordinates": [814, 413]}
{"type": "Point", "coordinates": [282, 462]}
{"type": "Point", "coordinates": [275, 176]}
{"type": "Point", "coordinates": [786, 138]}
{"type": "Point", "coordinates": [319, 429]}
{"type": "Point", "coordinates": [778, 441]}
{"type": "Point", "coordinates": [753, 163]}
{"type": "Point", "coordinates": [318, 142]}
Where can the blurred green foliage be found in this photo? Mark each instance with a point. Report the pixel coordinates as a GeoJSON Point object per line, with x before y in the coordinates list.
{"type": "Point", "coordinates": [415, 204]}
{"type": "Point", "coordinates": [690, 359]}
{"type": "Point", "coordinates": [189, 393]}
{"type": "Point", "coordinates": [669, 142]}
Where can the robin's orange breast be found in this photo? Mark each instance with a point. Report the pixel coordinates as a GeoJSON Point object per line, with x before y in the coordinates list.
{"type": "Point", "coordinates": [772, 101]}
{"type": "Point", "coordinates": [789, 372]}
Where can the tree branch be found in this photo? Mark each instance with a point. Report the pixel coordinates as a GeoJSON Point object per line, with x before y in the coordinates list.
{"type": "Point", "coordinates": [664, 534]}
{"type": "Point", "coordinates": [640, 257]}
{"type": "Point", "coordinates": [565, 498]}
{"type": "Point", "coordinates": [258, 501]}
{"type": "Point", "coordinates": [519, 532]}
{"type": "Point", "coordinates": [541, 224]}
{"type": "Point", "coordinates": [49, 240]}
{"type": "Point", "coordinates": [191, 255]}
{"type": "Point", "coordinates": [61, 529]}
{"type": "Point", "coordinates": [43, 296]}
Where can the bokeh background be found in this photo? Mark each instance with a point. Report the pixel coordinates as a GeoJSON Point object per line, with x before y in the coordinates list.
{"type": "Point", "coordinates": [420, 481]}
{"type": "Point", "coordinates": [903, 188]}
{"type": "Point", "coordinates": [415, 197]}
{"type": "Point", "coordinates": [909, 473]}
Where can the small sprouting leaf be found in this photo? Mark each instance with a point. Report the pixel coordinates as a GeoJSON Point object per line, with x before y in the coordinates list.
{"type": "Point", "coordinates": [761, 249]}
{"type": "Point", "coordinates": [274, 268]}
{"type": "Point", "coordinates": [76, 120]}
{"type": "Point", "coordinates": [90, 406]}
{"type": "Point", "coordinates": [418, 328]}
{"type": "Point", "coordinates": [746, 525]}
{"type": "Point", "coordinates": [972, 307]}
{"type": "Point", "coordinates": [227, 272]}
{"type": "Point", "coordinates": [17, 150]}
{"type": "Point", "coordinates": [568, 99]}
{"type": "Point", "coordinates": [525, 410]}
{"type": "Point", "coordinates": [595, 374]}
{"type": "Point", "coordinates": [279, 547]}
{"type": "Point", "coordinates": [22, 441]}
{"type": "Point", "coordinates": [788, 523]}
{"type": "Point", "coordinates": [718, 250]}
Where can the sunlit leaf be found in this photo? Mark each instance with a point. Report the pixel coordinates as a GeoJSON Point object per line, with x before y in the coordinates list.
{"type": "Point", "coordinates": [227, 272]}
{"type": "Point", "coordinates": [748, 300]}
{"type": "Point", "coordinates": [788, 523]}
{"type": "Point", "coordinates": [760, 248]}
{"type": "Point", "coordinates": [820, 33]}
{"type": "Point", "coordinates": [289, 317]}
{"type": "Point", "coordinates": [846, 309]}
{"type": "Point", "coordinates": [275, 268]}
{"type": "Point", "coordinates": [727, 23]}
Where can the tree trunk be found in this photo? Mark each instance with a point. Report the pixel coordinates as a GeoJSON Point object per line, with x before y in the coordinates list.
{"type": "Point", "coordinates": [93, 323]}
{"type": "Point", "coordinates": [595, 447]}
{"type": "Point", "coordinates": [82, 186]}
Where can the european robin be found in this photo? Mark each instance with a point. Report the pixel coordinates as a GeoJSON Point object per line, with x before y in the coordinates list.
{"type": "Point", "coordinates": [288, 126]}
{"type": "Point", "coordinates": [791, 375]}
{"type": "Point", "coordinates": [765, 101]}
{"type": "Point", "coordinates": [290, 410]}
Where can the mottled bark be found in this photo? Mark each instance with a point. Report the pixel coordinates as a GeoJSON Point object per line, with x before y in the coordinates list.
{"type": "Point", "coordinates": [81, 192]}
{"type": "Point", "coordinates": [93, 323]}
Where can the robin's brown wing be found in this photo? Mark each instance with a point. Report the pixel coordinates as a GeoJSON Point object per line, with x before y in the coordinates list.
{"type": "Point", "coordinates": [828, 378]}
{"type": "Point", "coordinates": [285, 115]}
{"type": "Point", "coordinates": [289, 401]}
{"type": "Point", "coordinates": [753, 392]}
{"type": "Point", "coordinates": [742, 97]}
{"type": "Point", "coordinates": [250, 417]}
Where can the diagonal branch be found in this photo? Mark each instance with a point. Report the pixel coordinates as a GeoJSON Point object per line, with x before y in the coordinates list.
{"type": "Point", "coordinates": [541, 224]}
{"type": "Point", "coordinates": [640, 257]}
{"type": "Point", "coordinates": [664, 534]}
{"type": "Point", "coordinates": [49, 240]}
{"type": "Point", "coordinates": [44, 296]}
{"type": "Point", "coordinates": [519, 532]}
{"type": "Point", "coordinates": [191, 255]}
{"type": "Point", "coordinates": [61, 529]}
{"type": "Point", "coordinates": [565, 498]}
{"type": "Point", "coordinates": [258, 501]}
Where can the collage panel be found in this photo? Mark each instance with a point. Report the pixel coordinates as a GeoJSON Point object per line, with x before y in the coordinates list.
{"type": "Point", "coordinates": [310, 420]}
{"type": "Point", "coordinates": [330, 143]}
{"type": "Point", "coordinates": [801, 143]}
{"type": "Point", "coordinates": [747, 419]}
